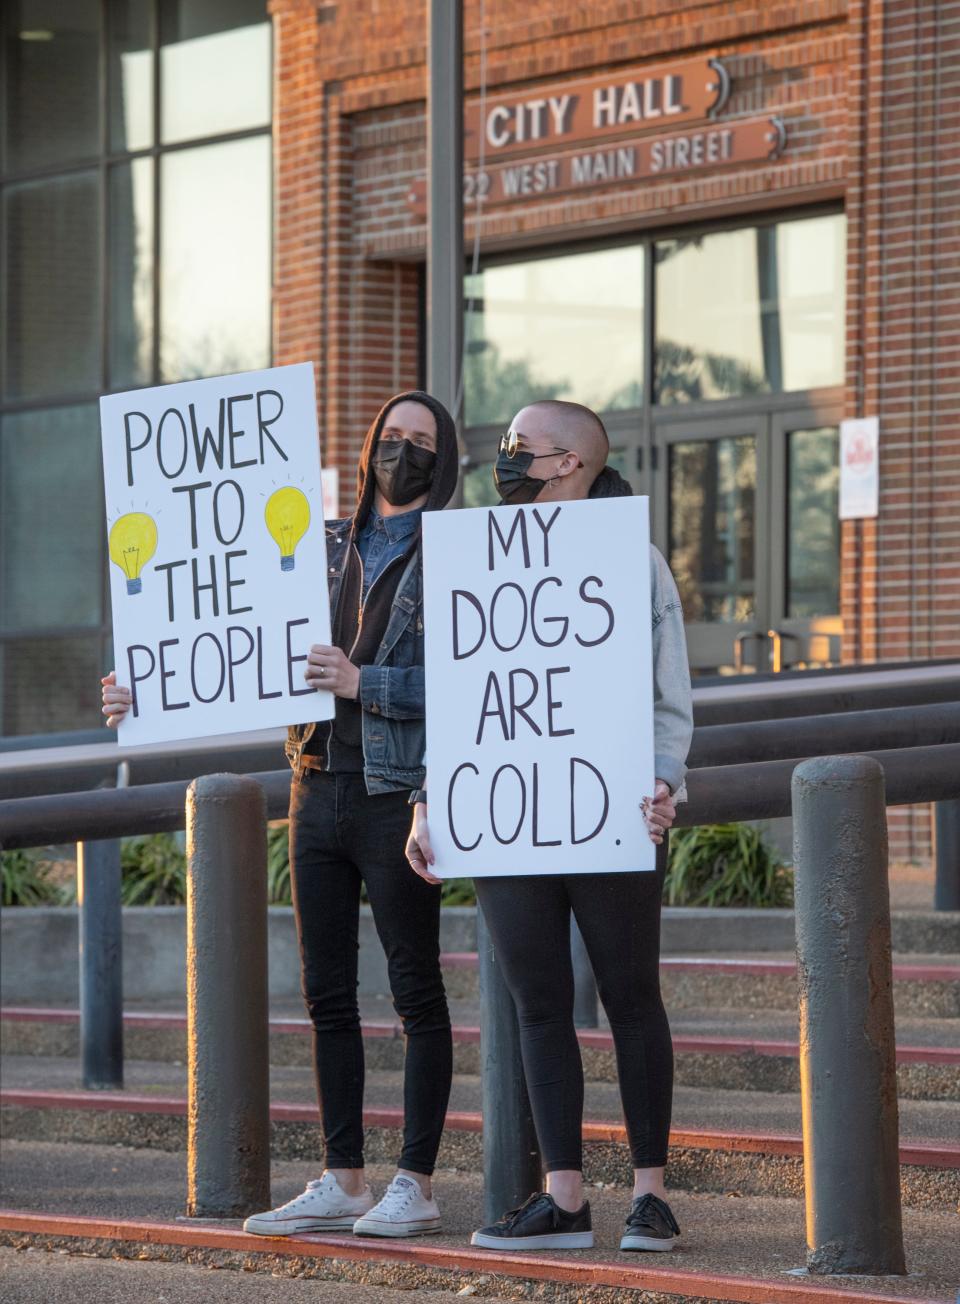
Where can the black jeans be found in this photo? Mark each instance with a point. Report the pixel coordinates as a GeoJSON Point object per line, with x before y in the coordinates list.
{"type": "Point", "coordinates": [341, 837]}
{"type": "Point", "coordinates": [619, 917]}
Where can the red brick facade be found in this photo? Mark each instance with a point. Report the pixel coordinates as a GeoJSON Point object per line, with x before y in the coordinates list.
{"type": "Point", "coordinates": [868, 90]}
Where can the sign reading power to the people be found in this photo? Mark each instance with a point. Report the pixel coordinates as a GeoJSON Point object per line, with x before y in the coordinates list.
{"type": "Point", "coordinates": [539, 687]}
{"type": "Point", "coordinates": [217, 551]}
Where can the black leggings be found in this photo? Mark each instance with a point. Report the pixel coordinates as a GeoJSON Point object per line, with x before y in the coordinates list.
{"type": "Point", "coordinates": [619, 917]}
{"type": "Point", "coordinates": [339, 838]}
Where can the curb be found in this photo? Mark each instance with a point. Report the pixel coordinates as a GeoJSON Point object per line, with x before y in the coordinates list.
{"type": "Point", "coordinates": [255, 1254]}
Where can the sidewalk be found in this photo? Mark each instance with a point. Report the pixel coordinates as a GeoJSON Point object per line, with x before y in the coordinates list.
{"type": "Point", "coordinates": [724, 1235]}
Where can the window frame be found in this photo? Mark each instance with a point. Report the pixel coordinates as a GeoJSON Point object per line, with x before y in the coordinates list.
{"type": "Point", "coordinates": [103, 162]}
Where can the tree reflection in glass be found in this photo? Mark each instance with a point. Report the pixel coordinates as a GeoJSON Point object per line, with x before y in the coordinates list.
{"type": "Point", "coordinates": [712, 504]}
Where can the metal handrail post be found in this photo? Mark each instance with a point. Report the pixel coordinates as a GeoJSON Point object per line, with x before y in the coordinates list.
{"type": "Point", "coordinates": [100, 929]}
{"type": "Point", "coordinates": [585, 998]}
{"type": "Point", "coordinates": [228, 1128]}
{"type": "Point", "coordinates": [946, 893]}
{"type": "Point", "coordinates": [511, 1155]}
{"type": "Point", "coordinates": [848, 1075]}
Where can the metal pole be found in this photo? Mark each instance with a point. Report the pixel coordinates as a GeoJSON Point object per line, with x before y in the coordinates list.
{"type": "Point", "coordinates": [511, 1156]}
{"type": "Point", "coordinates": [445, 209]}
{"type": "Point", "coordinates": [585, 1006]}
{"type": "Point", "coordinates": [228, 1137]}
{"type": "Point", "coordinates": [946, 895]}
{"type": "Point", "coordinates": [101, 964]}
{"type": "Point", "coordinates": [847, 1059]}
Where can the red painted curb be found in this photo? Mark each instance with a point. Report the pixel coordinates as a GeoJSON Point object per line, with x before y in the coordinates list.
{"type": "Point", "coordinates": [920, 1153]}
{"type": "Point", "coordinates": [591, 1039]}
{"type": "Point", "coordinates": [726, 1287]}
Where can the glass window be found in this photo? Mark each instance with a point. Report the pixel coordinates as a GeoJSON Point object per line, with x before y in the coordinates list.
{"type": "Point", "coordinates": [750, 311]}
{"type": "Point", "coordinates": [71, 688]}
{"type": "Point", "coordinates": [813, 526]}
{"type": "Point", "coordinates": [215, 73]}
{"type": "Point", "coordinates": [566, 327]}
{"type": "Point", "coordinates": [52, 59]}
{"type": "Point", "coordinates": [51, 266]}
{"type": "Point", "coordinates": [713, 486]}
{"type": "Point", "coordinates": [131, 274]}
{"type": "Point", "coordinates": [51, 519]}
{"type": "Point", "coordinates": [215, 259]}
{"type": "Point", "coordinates": [130, 45]}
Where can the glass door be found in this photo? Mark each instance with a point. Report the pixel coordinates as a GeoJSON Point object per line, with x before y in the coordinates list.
{"type": "Point", "coordinates": [708, 522]}
{"type": "Point", "coordinates": [805, 625]}
{"type": "Point", "coordinates": [745, 511]}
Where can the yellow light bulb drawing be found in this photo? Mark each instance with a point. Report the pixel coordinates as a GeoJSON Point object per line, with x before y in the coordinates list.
{"type": "Point", "coordinates": [133, 541]}
{"type": "Point", "coordinates": [287, 515]}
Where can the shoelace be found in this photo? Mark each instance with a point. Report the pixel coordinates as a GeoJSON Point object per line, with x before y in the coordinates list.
{"type": "Point", "coordinates": [314, 1185]}
{"type": "Point", "coordinates": [396, 1199]}
{"type": "Point", "coordinates": [654, 1202]}
{"type": "Point", "coordinates": [511, 1218]}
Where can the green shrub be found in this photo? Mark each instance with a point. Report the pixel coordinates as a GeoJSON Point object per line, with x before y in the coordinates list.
{"type": "Point", "coordinates": [725, 865]}
{"type": "Point", "coordinates": [278, 866]}
{"type": "Point", "coordinates": [154, 871]}
{"type": "Point", "coordinates": [27, 882]}
{"type": "Point", "coordinates": [458, 892]}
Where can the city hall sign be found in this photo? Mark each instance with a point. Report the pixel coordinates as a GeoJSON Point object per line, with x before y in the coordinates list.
{"type": "Point", "coordinates": [602, 131]}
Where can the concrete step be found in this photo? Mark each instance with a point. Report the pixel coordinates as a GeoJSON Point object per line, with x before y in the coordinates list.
{"type": "Point", "coordinates": [712, 1148]}
{"type": "Point", "coordinates": [923, 986]}
{"type": "Point", "coordinates": [752, 1051]}
{"type": "Point", "coordinates": [123, 1205]}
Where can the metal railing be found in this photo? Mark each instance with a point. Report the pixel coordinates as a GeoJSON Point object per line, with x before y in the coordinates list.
{"type": "Point", "coordinates": [837, 802]}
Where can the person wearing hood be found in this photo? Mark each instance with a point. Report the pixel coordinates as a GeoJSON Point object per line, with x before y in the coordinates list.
{"type": "Point", "coordinates": [557, 452]}
{"type": "Point", "coordinates": [349, 813]}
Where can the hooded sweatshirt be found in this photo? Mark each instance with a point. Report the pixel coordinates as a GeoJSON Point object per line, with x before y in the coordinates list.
{"type": "Point", "coordinates": [359, 623]}
{"type": "Point", "coordinates": [672, 699]}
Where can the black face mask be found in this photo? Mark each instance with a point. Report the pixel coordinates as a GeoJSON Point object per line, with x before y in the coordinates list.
{"type": "Point", "coordinates": [403, 471]}
{"type": "Point", "coordinates": [513, 483]}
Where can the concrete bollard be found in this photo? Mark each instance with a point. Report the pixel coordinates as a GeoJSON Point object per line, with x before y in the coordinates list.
{"type": "Point", "coordinates": [100, 923]}
{"type": "Point", "coordinates": [847, 1049]}
{"type": "Point", "coordinates": [511, 1155]}
{"type": "Point", "coordinates": [228, 1137]}
{"type": "Point", "coordinates": [585, 1000]}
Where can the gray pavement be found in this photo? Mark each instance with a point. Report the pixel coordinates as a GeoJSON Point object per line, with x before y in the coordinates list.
{"type": "Point", "coordinates": [723, 1233]}
{"type": "Point", "coordinates": [35, 1276]}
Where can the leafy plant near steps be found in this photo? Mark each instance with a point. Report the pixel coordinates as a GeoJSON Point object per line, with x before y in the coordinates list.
{"type": "Point", "coordinates": [154, 870]}
{"type": "Point", "coordinates": [725, 865]}
{"type": "Point", "coordinates": [26, 880]}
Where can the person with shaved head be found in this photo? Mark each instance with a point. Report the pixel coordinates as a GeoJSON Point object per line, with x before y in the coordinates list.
{"type": "Point", "coordinates": [557, 452]}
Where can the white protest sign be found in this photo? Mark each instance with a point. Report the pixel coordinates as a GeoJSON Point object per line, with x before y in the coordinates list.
{"type": "Point", "coordinates": [859, 468]}
{"type": "Point", "coordinates": [217, 551]}
{"type": "Point", "coordinates": [539, 688]}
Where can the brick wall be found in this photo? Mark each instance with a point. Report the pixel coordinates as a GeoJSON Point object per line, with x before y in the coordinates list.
{"type": "Point", "coordinates": [856, 83]}
{"type": "Point", "coordinates": [901, 573]}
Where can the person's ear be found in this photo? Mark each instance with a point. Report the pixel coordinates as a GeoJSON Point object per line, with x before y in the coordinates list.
{"type": "Point", "coordinates": [569, 463]}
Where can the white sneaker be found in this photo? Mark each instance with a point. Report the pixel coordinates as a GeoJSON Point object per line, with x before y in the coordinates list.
{"type": "Point", "coordinates": [403, 1211]}
{"type": "Point", "coordinates": [323, 1207]}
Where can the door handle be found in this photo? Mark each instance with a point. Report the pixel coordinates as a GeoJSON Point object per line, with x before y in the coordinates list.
{"type": "Point", "coordinates": [776, 637]}
{"type": "Point", "coordinates": [738, 643]}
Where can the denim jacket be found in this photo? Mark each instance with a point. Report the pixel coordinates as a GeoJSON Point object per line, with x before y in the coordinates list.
{"type": "Point", "coordinates": [391, 690]}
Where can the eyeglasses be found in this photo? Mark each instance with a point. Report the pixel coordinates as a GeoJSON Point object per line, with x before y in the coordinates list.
{"type": "Point", "coordinates": [510, 444]}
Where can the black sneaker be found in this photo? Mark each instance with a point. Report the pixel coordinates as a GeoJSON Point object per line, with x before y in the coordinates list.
{"type": "Point", "coordinates": [650, 1225]}
{"type": "Point", "coordinates": [539, 1224]}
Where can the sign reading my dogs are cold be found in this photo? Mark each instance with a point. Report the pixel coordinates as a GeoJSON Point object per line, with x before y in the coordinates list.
{"type": "Point", "coordinates": [539, 687]}
{"type": "Point", "coordinates": [217, 552]}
